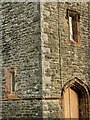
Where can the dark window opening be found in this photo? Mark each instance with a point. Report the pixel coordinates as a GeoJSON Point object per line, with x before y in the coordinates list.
{"type": "Point", "coordinates": [73, 19]}
{"type": "Point", "coordinates": [13, 82]}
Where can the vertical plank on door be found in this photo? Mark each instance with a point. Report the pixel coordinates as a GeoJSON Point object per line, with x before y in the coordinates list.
{"type": "Point", "coordinates": [71, 109]}
{"type": "Point", "coordinates": [66, 104]}
{"type": "Point", "coordinates": [74, 106]}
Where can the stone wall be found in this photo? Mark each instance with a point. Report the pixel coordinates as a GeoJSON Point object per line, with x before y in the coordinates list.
{"type": "Point", "coordinates": [62, 61]}
{"type": "Point", "coordinates": [21, 45]}
{"type": "Point", "coordinates": [35, 42]}
{"type": "Point", "coordinates": [0, 65]}
{"type": "Point", "coordinates": [21, 49]}
{"type": "Point", "coordinates": [74, 58]}
{"type": "Point", "coordinates": [22, 109]}
{"type": "Point", "coordinates": [51, 82]}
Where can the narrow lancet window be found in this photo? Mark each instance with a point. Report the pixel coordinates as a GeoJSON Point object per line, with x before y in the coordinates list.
{"type": "Point", "coordinates": [12, 81]}
{"type": "Point", "coordinates": [73, 22]}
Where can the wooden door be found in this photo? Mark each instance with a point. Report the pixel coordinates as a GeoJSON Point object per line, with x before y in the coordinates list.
{"type": "Point", "coordinates": [71, 109]}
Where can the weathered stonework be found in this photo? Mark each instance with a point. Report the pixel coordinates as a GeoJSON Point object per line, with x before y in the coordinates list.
{"type": "Point", "coordinates": [61, 61]}
{"type": "Point", "coordinates": [35, 43]}
{"type": "Point", "coordinates": [51, 81]}
{"type": "Point", "coordinates": [21, 48]}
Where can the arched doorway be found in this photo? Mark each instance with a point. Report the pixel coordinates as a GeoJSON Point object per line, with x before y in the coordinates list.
{"type": "Point", "coordinates": [76, 100]}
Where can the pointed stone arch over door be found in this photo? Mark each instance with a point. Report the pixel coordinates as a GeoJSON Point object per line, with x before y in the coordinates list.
{"type": "Point", "coordinates": [76, 100]}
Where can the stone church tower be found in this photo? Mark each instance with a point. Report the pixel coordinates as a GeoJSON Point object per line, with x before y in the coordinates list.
{"type": "Point", "coordinates": [44, 60]}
